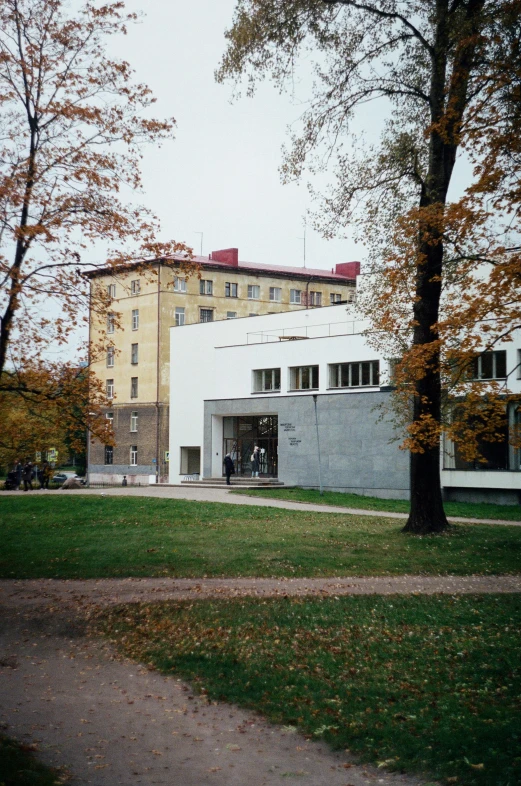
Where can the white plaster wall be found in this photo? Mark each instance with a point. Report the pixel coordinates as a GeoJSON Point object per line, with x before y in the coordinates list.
{"type": "Point", "coordinates": [215, 361]}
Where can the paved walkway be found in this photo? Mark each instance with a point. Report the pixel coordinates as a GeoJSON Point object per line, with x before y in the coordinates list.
{"type": "Point", "coordinates": [223, 495]}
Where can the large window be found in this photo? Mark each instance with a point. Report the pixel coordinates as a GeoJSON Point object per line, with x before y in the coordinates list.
{"type": "Point", "coordinates": [253, 292]}
{"type": "Point", "coordinates": [111, 323]}
{"type": "Point", "coordinates": [135, 318]}
{"type": "Point", "coordinates": [110, 357]}
{"type": "Point", "coordinates": [179, 316]}
{"type": "Point", "coordinates": [133, 455]}
{"type": "Point", "coordinates": [275, 294]}
{"type": "Point", "coordinates": [354, 375]}
{"type": "Point", "coordinates": [179, 284]}
{"type": "Point", "coordinates": [206, 287]}
{"type": "Point", "coordinates": [133, 387]}
{"type": "Point", "coordinates": [295, 296]}
{"type": "Point", "coordinates": [109, 454]}
{"type": "Point", "coordinates": [230, 289]}
{"type": "Point", "coordinates": [135, 287]}
{"type": "Point", "coordinates": [110, 388]}
{"type": "Point", "coordinates": [490, 365]}
{"type": "Point", "coordinates": [266, 379]}
{"type": "Point", "coordinates": [134, 354]}
{"type": "Point", "coordinates": [315, 298]}
{"type": "Point", "coordinates": [133, 421]}
{"type": "Point", "coordinates": [206, 315]}
{"type": "Point", "coordinates": [303, 378]}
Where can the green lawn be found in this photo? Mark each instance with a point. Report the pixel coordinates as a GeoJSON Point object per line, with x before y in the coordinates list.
{"type": "Point", "coordinates": [18, 766]}
{"type": "Point", "coordinates": [422, 684]}
{"type": "Point", "coordinates": [464, 509]}
{"type": "Point", "coordinates": [94, 536]}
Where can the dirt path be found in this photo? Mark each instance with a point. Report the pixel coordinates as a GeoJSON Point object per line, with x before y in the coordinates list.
{"type": "Point", "coordinates": [110, 721]}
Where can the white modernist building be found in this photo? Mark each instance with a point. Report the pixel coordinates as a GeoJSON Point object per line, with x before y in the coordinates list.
{"type": "Point", "coordinates": [309, 390]}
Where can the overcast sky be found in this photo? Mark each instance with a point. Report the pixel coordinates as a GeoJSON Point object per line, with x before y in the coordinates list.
{"type": "Point", "coordinates": [220, 176]}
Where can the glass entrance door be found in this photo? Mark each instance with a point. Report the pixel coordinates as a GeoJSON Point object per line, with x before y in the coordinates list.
{"type": "Point", "coordinates": [241, 434]}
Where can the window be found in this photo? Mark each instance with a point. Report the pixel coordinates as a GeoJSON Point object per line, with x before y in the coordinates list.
{"type": "Point", "coordinates": [252, 315]}
{"type": "Point", "coordinates": [335, 297]}
{"type": "Point", "coordinates": [303, 378]}
{"type": "Point", "coordinates": [179, 284]}
{"type": "Point", "coordinates": [315, 298]}
{"type": "Point", "coordinates": [206, 315]}
{"type": "Point", "coordinates": [110, 418]}
{"type": "Point", "coordinates": [205, 287]}
{"type": "Point", "coordinates": [133, 387]}
{"type": "Point", "coordinates": [135, 318]}
{"type": "Point", "coordinates": [133, 455]}
{"type": "Point", "coordinates": [110, 357]}
{"type": "Point", "coordinates": [231, 315]}
{"type": "Point", "coordinates": [490, 365]}
{"type": "Point", "coordinates": [135, 287]}
{"type": "Point", "coordinates": [253, 292]}
{"type": "Point", "coordinates": [266, 379]}
{"type": "Point", "coordinates": [230, 290]}
{"type": "Point", "coordinates": [133, 421]}
{"type": "Point", "coordinates": [179, 316]}
{"type": "Point", "coordinates": [109, 454]}
{"type": "Point", "coordinates": [295, 296]}
{"type": "Point", "coordinates": [134, 354]}
{"type": "Point", "coordinates": [353, 375]}
{"type": "Point", "coordinates": [275, 294]}
{"type": "Point", "coordinates": [111, 322]}
{"type": "Point", "coordinates": [110, 388]}
{"type": "Point", "coordinates": [111, 290]}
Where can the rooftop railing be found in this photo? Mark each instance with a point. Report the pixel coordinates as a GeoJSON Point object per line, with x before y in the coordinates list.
{"type": "Point", "coordinates": [328, 329]}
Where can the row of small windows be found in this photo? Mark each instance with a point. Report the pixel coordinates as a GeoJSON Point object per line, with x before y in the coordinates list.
{"type": "Point", "coordinates": [109, 455]}
{"type": "Point", "coordinates": [341, 375]}
{"type": "Point", "coordinates": [231, 289]}
{"type": "Point", "coordinates": [205, 315]}
{"type": "Point", "coordinates": [110, 390]}
{"type": "Point", "coordinates": [135, 288]}
{"type": "Point", "coordinates": [134, 355]}
{"type": "Point", "coordinates": [134, 416]}
{"type": "Point", "coordinates": [111, 321]}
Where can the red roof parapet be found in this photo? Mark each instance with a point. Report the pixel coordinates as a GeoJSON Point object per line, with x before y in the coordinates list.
{"type": "Point", "coordinates": [227, 256]}
{"type": "Point", "coordinates": [348, 269]}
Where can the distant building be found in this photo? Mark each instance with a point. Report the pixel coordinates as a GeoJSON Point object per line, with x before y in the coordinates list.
{"type": "Point", "coordinates": [136, 368]}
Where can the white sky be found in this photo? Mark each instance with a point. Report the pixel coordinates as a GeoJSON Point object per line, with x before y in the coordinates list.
{"type": "Point", "coordinates": [220, 176]}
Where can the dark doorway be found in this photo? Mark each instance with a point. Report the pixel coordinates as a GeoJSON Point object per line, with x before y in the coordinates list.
{"type": "Point", "coordinates": [241, 434]}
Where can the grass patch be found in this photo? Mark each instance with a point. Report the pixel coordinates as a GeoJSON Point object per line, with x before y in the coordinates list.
{"type": "Point", "coordinates": [471, 510]}
{"type": "Point", "coordinates": [18, 767]}
{"type": "Point", "coordinates": [93, 536]}
{"type": "Point", "coordinates": [421, 684]}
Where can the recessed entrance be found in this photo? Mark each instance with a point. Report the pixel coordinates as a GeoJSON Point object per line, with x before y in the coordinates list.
{"type": "Point", "coordinates": [241, 434]}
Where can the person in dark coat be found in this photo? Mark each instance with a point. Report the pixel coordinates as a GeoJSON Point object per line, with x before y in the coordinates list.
{"type": "Point", "coordinates": [27, 476]}
{"type": "Point", "coordinates": [255, 462]}
{"type": "Point", "coordinates": [18, 468]}
{"type": "Point", "coordinates": [228, 468]}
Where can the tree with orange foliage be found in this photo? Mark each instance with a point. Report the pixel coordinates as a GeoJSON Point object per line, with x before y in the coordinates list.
{"type": "Point", "coordinates": [438, 70]}
{"type": "Point", "coordinates": [72, 125]}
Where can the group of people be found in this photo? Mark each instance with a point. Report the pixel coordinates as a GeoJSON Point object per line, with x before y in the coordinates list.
{"type": "Point", "coordinates": [229, 467]}
{"type": "Point", "coordinates": [26, 473]}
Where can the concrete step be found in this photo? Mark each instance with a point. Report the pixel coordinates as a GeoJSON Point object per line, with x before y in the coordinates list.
{"type": "Point", "coordinates": [197, 484]}
{"type": "Point", "coordinates": [236, 481]}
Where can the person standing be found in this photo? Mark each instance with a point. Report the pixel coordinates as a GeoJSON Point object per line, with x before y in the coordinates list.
{"type": "Point", "coordinates": [229, 468]}
{"type": "Point", "coordinates": [255, 462]}
{"type": "Point", "coordinates": [18, 468]}
{"type": "Point", "coordinates": [27, 476]}
{"type": "Point", "coordinates": [45, 475]}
